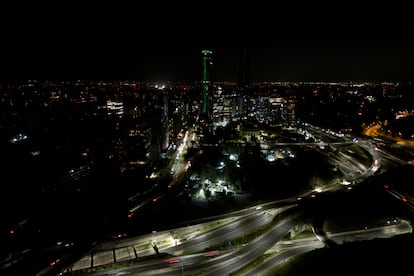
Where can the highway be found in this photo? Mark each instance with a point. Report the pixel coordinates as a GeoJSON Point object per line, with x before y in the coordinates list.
{"type": "Point", "coordinates": [184, 250]}
{"type": "Point", "coordinates": [227, 261]}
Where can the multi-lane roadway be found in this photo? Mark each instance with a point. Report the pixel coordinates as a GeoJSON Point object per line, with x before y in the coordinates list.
{"type": "Point", "coordinates": [187, 250]}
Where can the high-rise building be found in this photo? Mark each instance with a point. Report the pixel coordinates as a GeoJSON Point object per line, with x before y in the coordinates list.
{"type": "Point", "coordinates": [243, 81]}
{"type": "Point", "coordinates": [207, 56]}
{"type": "Point", "coordinates": [159, 125]}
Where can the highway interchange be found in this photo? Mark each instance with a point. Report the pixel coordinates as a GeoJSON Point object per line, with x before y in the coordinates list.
{"type": "Point", "coordinates": [187, 250]}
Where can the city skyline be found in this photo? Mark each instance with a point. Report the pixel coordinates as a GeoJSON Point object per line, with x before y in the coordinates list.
{"type": "Point", "coordinates": [284, 52]}
{"type": "Point", "coordinates": [90, 159]}
{"type": "Point", "coordinates": [124, 127]}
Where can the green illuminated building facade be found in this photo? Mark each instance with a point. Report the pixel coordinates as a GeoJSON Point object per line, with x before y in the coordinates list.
{"type": "Point", "coordinates": [206, 82]}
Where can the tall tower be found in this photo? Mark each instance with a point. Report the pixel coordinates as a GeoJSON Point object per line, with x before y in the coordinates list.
{"type": "Point", "coordinates": [159, 125]}
{"type": "Point", "coordinates": [243, 81]}
{"type": "Point", "coordinates": [206, 81]}
{"type": "Point", "coordinates": [244, 68]}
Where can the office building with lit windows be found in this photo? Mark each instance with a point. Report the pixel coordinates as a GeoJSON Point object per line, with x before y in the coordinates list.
{"type": "Point", "coordinates": [206, 83]}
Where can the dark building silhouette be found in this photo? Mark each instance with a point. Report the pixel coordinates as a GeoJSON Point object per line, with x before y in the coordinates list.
{"type": "Point", "coordinates": [243, 81]}
{"type": "Point", "coordinates": [159, 126]}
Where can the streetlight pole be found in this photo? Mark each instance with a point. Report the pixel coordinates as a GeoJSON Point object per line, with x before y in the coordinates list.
{"type": "Point", "coordinates": [182, 264]}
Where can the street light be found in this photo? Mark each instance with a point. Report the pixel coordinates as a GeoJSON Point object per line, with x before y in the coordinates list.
{"type": "Point", "coordinates": [182, 264]}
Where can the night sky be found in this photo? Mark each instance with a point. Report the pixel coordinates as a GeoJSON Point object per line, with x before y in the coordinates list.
{"type": "Point", "coordinates": [76, 44]}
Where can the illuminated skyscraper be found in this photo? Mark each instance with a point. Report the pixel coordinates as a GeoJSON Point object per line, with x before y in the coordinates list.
{"type": "Point", "coordinates": [206, 82]}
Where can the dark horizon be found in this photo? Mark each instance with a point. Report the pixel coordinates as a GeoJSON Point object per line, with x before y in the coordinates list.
{"type": "Point", "coordinates": [286, 52]}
